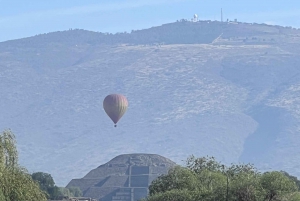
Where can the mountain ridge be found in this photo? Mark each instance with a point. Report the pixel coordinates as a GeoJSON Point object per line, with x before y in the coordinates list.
{"type": "Point", "coordinates": [211, 93]}
{"type": "Point", "coordinates": [165, 34]}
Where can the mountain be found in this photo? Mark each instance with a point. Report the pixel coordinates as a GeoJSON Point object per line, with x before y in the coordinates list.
{"type": "Point", "coordinates": [224, 89]}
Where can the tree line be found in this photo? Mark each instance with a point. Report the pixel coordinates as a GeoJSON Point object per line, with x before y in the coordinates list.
{"type": "Point", "coordinates": [205, 179]}
{"type": "Point", "coordinates": [202, 179]}
{"type": "Point", "coordinates": [17, 184]}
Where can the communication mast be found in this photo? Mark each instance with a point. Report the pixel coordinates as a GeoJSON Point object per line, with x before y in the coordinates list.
{"type": "Point", "coordinates": [221, 15]}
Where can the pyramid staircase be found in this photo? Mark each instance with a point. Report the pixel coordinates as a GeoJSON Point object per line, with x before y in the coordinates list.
{"type": "Point", "coordinates": [123, 194]}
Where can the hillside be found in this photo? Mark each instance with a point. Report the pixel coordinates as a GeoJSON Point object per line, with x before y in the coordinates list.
{"type": "Point", "coordinates": [231, 89]}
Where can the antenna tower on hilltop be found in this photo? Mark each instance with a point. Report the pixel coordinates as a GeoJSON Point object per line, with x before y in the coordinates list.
{"type": "Point", "coordinates": [221, 15]}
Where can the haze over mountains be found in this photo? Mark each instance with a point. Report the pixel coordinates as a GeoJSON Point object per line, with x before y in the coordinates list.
{"type": "Point", "coordinates": [229, 90]}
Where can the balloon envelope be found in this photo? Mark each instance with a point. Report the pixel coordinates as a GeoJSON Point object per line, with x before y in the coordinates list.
{"type": "Point", "coordinates": [115, 106]}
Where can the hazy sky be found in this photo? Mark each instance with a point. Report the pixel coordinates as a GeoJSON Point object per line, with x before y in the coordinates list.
{"type": "Point", "coordinates": [21, 18]}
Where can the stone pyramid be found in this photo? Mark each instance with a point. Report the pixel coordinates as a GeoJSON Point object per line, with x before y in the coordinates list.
{"type": "Point", "coordinates": [124, 178]}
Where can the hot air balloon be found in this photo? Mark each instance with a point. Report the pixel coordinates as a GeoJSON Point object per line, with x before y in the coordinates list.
{"type": "Point", "coordinates": [115, 106]}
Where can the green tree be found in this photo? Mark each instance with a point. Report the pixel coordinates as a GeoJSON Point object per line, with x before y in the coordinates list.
{"type": "Point", "coordinates": [212, 184]}
{"type": "Point", "coordinates": [245, 187]}
{"type": "Point", "coordinates": [53, 192]}
{"type": "Point", "coordinates": [236, 182]}
{"type": "Point", "coordinates": [203, 163]}
{"type": "Point", "coordinates": [67, 192]}
{"type": "Point", "coordinates": [45, 180]}
{"type": "Point", "coordinates": [8, 150]}
{"type": "Point", "coordinates": [177, 178]}
{"type": "Point", "coordinates": [176, 195]}
{"type": "Point", "coordinates": [16, 183]}
{"type": "Point", "coordinates": [206, 179]}
{"type": "Point", "coordinates": [295, 179]}
{"type": "Point", "coordinates": [276, 185]}
{"type": "Point", "coordinates": [46, 184]}
{"type": "Point", "coordinates": [62, 191]}
{"type": "Point", "coordinates": [242, 182]}
{"type": "Point", "coordinates": [201, 180]}
{"type": "Point", "coordinates": [295, 196]}
{"type": "Point", "coordinates": [75, 191]}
